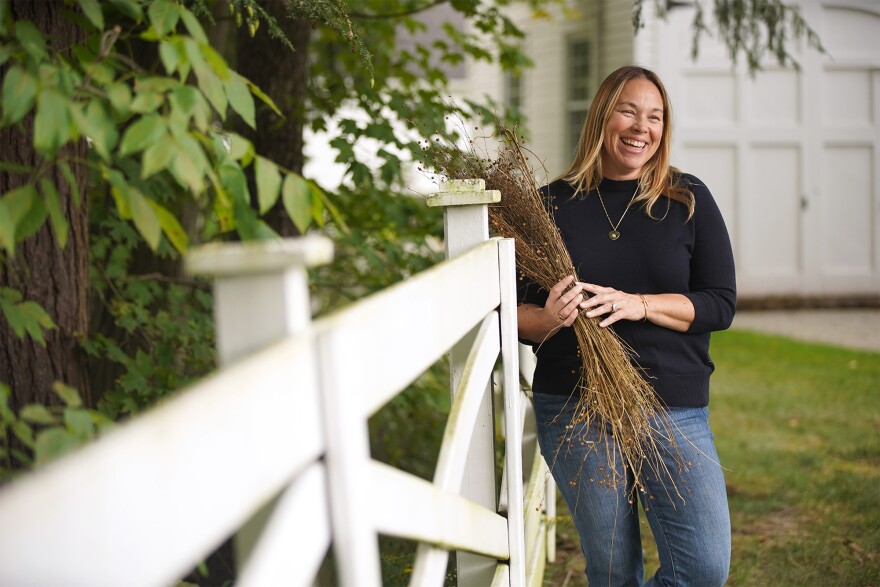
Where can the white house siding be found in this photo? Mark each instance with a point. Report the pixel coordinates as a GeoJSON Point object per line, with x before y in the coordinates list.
{"type": "Point", "coordinates": [615, 35]}
{"type": "Point", "coordinates": [792, 156]}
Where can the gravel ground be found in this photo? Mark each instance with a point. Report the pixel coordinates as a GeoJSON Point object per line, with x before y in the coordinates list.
{"type": "Point", "coordinates": [852, 328]}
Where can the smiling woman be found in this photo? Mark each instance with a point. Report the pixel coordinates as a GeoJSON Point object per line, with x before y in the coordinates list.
{"type": "Point", "coordinates": [651, 241]}
{"type": "Point", "coordinates": [633, 133]}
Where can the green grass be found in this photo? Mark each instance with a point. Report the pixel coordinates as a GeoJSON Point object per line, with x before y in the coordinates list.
{"type": "Point", "coordinates": [797, 427]}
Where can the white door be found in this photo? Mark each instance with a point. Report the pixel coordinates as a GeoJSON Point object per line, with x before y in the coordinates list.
{"type": "Point", "coordinates": [793, 157]}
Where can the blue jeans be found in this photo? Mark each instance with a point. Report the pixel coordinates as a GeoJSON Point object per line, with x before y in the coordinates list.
{"type": "Point", "coordinates": [691, 525]}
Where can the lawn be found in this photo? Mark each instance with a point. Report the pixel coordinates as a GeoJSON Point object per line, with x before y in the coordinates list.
{"type": "Point", "coordinates": [797, 427]}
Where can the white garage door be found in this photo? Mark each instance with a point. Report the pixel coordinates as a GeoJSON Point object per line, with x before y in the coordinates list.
{"type": "Point", "coordinates": [793, 157]}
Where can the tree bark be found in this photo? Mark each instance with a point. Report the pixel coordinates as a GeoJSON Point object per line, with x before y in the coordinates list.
{"type": "Point", "coordinates": [282, 75]}
{"type": "Point", "coordinates": [55, 278]}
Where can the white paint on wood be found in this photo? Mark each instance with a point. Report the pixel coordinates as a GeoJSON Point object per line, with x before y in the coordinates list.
{"type": "Point", "coordinates": [295, 540]}
{"type": "Point", "coordinates": [513, 410]}
{"type": "Point", "coordinates": [418, 320]}
{"type": "Point", "coordinates": [466, 406]}
{"type": "Point", "coordinates": [407, 506]}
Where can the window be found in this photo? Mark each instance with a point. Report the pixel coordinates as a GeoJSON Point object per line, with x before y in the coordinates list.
{"type": "Point", "coordinates": [579, 89]}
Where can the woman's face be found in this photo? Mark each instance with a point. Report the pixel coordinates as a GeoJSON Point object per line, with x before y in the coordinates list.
{"type": "Point", "coordinates": [634, 130]}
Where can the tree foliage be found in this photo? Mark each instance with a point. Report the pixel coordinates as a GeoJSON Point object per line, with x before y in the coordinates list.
{"type": "Point", "coordinates": [751, 30]}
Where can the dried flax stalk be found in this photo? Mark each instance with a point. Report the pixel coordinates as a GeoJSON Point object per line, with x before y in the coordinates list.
{"type": "Point", "coordinates": [612, 395]}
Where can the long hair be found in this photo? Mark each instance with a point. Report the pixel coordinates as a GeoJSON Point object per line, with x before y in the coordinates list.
{"type": "Point", "coordinates": [659, 178]}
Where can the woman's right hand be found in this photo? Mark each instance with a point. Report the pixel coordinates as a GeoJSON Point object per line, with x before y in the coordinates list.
{"type": "Point", "coordinates": [561, 309]}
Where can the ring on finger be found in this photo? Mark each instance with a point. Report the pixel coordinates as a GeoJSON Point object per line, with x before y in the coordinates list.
{"type": "Point", "coordinates": [560, 317]}
{"type": "Point", "coordinates": [613, 307]}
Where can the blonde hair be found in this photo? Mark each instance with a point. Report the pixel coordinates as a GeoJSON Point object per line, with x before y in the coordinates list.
{"type": "Point", "coordinates": [659, 178]}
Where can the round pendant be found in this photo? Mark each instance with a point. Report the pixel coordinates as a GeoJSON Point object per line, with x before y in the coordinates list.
{"type": "Point", "coordinates": [614, 235]}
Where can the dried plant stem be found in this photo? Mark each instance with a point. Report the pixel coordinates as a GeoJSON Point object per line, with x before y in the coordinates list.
{"type": "Point", "coordinates": [612, 395]}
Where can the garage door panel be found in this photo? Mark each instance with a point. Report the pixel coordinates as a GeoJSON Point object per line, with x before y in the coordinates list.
{"type": "Point", "coordinates": [849, 33]}
{"type": "Point", "coordinates": [717, 166]}
{"type": "Point", "coordinates": [847, 98]}
{"type": "Point", "coordinates": [773, 99]}
{"type": "Point", "coordinates": [771, 211]}
{"type": "Point", "coordinates": [708, 99]}
{"type": "Point", "coordinates": [846, 218]}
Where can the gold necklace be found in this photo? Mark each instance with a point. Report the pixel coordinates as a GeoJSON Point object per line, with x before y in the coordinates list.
{"type": "Point", "coordinates": [614, 234]}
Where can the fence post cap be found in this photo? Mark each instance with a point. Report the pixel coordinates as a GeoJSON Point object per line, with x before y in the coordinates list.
{"type": "Point", "coordinates": [269, 256]}
{"type": "Point", "coordinates": [463, 192]}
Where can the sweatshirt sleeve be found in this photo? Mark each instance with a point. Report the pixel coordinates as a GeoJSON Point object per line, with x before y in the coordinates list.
{"type": "Point", "coordinates": [712, 273]}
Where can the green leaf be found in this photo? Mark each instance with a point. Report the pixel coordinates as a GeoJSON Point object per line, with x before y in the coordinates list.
{"type": "Point", "coordinates": [317, 203]}
{"type": "Point", "coordinates": [92, 10]}
{"type": "Point", "coordinates": [190, 164]}
{"type": "Point", "coordinates": [192, 25]}
{"type": "Point", "coordinates": [234, 182]}
{"type": "Point", "coordinates": [223, 211]}
{"type": "Point", "coordinates": [212, 88]}
{"type": "Point", "coordinates": [6, 413]}
{"type": "Point", "coordinates": [145, 219]}
{"type": "Point", "coordinates": [79, 423]}
{"type": "Point", "coordinates": [96, 123]}
{"type": "Point", "coordinates": [52, 443]}
{"type": "Point", "coordinates": [23, 432]}
{"type": "Point", "coordinates": [171, 227]}
{"type": "Point", "coordinates": [216, 61]}
{"type": "Point", "coordinates": [158, 156]}
{"type": "Point", "coordinates": [297, 201]}
{"type": "Point", "coordinates": [7, 229]}
{"type": "Point", "coordinates": [170, 54]}
{"type": "Point", "coordinates": [241, 99]}
{"type": "Point", "coordinates": [187, 172]}
{"type": "Point", "coordinates": [31, 39]}
{"type": "Point", "coordinates": [19, 201]}
{"type": "Point", "coordinates": [119, 190]}
{"type": "Point", "coordinates": [256, 91]}
{"type": "Point", "coordinates": [146, 101]}
{"type": "Point", "coordinates": [241, 149]}
{"type": "Point", "coordinates": [19, 91]}
{"type": "Point", "coordinates": [56, 215]}
{"type": "Point", "coordinates": [25, 210]}
{"type": "Point", "coordinates": [16, 168]}
{"type": "Point", "coordinates": [268, 183]}
{"type": "Point", "coordinates": [163, 16]}
{"type": "Point", "coordinates": [143, 133]}
{"type": "Point", "coordinates": [69, 395]}
{"type": "Point", "coordinates": [334, 212]}
{"type": "Point", "coordinates": [119, 95]}
{"type": "Point", "coordinates": [52, 123]}
{"type": "Point", "coordinates": [36, 414]}
{"type": "Point", "coordinates": [188, 102]}
{"type": "Point", "coordinates": [72, 182]}
{"type": "Point", "coordinates": [129, 8]}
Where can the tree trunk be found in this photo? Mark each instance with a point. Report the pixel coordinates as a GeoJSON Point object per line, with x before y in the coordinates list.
{"type": "Point", "coordinates": [55, 278]}
{"type": "Point", "coordinates": [283, 76]}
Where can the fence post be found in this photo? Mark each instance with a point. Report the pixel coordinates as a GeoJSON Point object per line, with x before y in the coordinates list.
{"type": "Point", "coordinates": [260, 295]}
{"type": "Point", "coordinates": [260, 289]}
{"type": "Point", "coordinates": [466, 223]}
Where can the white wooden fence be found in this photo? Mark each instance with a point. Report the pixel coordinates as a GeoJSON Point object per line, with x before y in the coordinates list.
{"type": "Point", "coordinates": [273, 447]}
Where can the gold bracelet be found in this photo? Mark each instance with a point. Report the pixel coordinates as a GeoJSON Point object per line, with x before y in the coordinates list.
{"type": "Point", "coordinates": [644, 303]}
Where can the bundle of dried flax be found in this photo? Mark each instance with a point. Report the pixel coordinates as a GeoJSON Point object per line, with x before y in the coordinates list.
{"type": "Point", "coordinates": [612, 395]}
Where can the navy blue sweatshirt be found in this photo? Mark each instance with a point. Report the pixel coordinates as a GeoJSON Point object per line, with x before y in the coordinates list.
{"type": "Point", "coordinates": [668, 255]}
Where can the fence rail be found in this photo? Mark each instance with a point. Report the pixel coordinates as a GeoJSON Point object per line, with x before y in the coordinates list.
{"type": "Point", "coordinates": [274, 448]}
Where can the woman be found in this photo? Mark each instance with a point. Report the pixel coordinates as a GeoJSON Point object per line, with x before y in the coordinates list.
{"type": "Point", "coordinates": [652, 244]}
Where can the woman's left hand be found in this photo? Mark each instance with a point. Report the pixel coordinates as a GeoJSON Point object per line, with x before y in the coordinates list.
{"type": "Point", "coordinates": [618, 305]}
